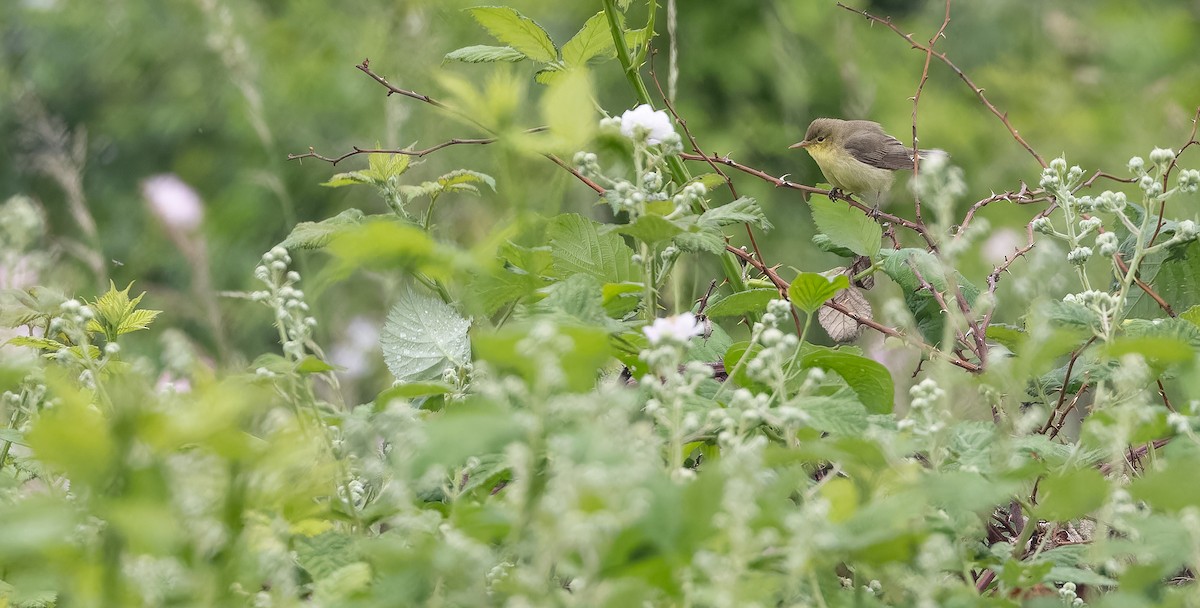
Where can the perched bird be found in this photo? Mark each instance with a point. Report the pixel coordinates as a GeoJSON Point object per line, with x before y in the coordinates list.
{"type": "Point", "coordinates": [856, 156]}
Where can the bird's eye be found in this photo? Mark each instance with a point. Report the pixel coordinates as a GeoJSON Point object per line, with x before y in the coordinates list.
{"type": "Point", "coordinates": [820, 139]}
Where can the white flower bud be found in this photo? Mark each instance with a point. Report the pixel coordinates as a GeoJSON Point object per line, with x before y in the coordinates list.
{"type": "Point", "coordinates": [1161, 156]}
{"type": "Point", "coordinates": [1136, 165]}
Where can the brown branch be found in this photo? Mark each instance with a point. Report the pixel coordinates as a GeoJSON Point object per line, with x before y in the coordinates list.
{"type": "Point", "coordinates": [355, 150]}
{"type": "Point", "coordinates": [1167, 174]}
{"type": "Point", "coordinates": [780, 182]}
{"type": "Point", "coordinates": [1023, 196]}
{"type": "Point", "coordinates": [365, 67]}
{"type": "Point", "coordinates": [696, 147]}
{"type": "Point", "coordinates": [916, 155]}
{"type": "Point", "coordinates": [962, 75]}
{"type": "Point", "coordinates": [782, 285]}
{"type": "Point", "coordinates": [1062, 393]}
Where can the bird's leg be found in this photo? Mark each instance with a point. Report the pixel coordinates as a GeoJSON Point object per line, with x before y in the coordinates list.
{"type": "Point", "coordinates": [836, 193]}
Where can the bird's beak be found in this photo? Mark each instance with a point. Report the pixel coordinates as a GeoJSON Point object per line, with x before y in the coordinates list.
{"type": "Point", "coordinates": [802, 144]}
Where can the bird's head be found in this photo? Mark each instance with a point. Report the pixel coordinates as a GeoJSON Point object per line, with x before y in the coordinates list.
{"type": "Point", "coordinates": [823, 135]}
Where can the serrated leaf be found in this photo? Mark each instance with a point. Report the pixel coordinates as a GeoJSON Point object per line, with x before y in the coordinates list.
{"type": "Point", "coordinates": [117, 314]}
{"type": "Point", "coordinates": [742, 302]}
{"type": "Point", "coordinates": [482, 53]}
{"type": "Point", "coordinates": [826, 244]}
{"type": "Point", "coordinates": [579, 247]}
{"type": "Point", "coordinates": [869, 379]}
{"type": "Point", "coordinates": [517, 31]}
{"type": "Point", "coordinates": [323, 554]}
{"type": "Point", "coordinates": [697, 239]}
{"type": "Point", "coordinates": [650, 229]}
{"type": "Point", "coordinates": [461, 177]}
{"type": "Point", "coordinates": [348, 179]}
{"type": "Point", "coordinates": [846, 226]}
{"type": "Point", "coordinates": [744, 210]}
{"type": "Point", "coordinates": [835, 416]}
{"type": "Point", "coordinates": [342, 584]}
{"type": "Point", "coordinates": [314, 235]}
{"type": "Point", "coordinates": [592, 40]}
{"type": "Point", "coordinates": [44, 344]}
{"type": "Point", "coordinates": [810, 290]}
{"type": "Point", "coordinates": [422, 337]}
{"type": "Point", "coordinates": [1008, 335]}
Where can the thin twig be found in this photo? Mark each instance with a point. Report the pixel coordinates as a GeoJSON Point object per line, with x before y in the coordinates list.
{"type": "Point", "coordinates": [962, 75]}
{"type": "Point", "coordinates": [780, 182]}
{"type": "Point", "coordinates": [696, 147]}
{"type": "Point", "coordinates": [1167, 174]}
{"type": "Point", "coordinates": [782, 285]}
{"type": "Point", "coordinates": [916, 155]}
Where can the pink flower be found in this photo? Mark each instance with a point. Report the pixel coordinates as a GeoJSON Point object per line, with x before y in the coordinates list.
{"type": "Point", "coordinates": [174, 202]}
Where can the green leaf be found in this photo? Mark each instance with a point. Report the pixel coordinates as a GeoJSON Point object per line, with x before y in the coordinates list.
{"type": "Point", "coordinates": [869, 379]}
{"type": "Point", "coordinates": [313, 365]}
{"type": "Point", "coordinates": [1191, 315]}
{"type": "Point", "coordinates": [422, 337]}
{"type": "Point", "coordinates": [650, 229]}
{"type": "Point", "coordinates": [42, 344]}
{"type": "Point", "coordinates": [578, 247]}
{"type": "Point", "coordinates": [412, 390]}
{"type": "Point", "coordinates": [348, 179]}
{"type": "Point", "coordinates": [1175, 275]}
{"type": "Point", "coordinates": [455, 180]}
{"type": "Point", "coordinates": [826, 244]}
{"type": "Point", "coordinates": [900, 264]}
{"type": "Point", "coordinates": [810, 290]}
{"type": "Point", "coordinates": [697, 239]}
{"type": "Point", "coordinates": [743, 302]}
{"type": "Point", "coordinates": [1010, 336]}
{"type": "Point", "coordinates": [315, 235]}
{"type": "Point", "coordinates": [579, 297]}
{"type": "Point", "coordinates": [846, 226]}
{"type": "Point", "coordinates": [516, 30]}
{"type": "Point", "coordinates": [744, 210]}
{"type": "Point", "coordinates": [117, 313]}
{"type": "Point", "coordinates": [569, 110]}
{"type": "Point", "coordinates": [1172, 487]}
{"type": "Point", "coordinates": [593, 40]}
{"type": "Point", "coordinates": [482, 53]}
{"type": "Point", "coordinates": [1071, 494]}
{"type": "Point", "coordinates": [582, 361]}
{"type": "Point", "coordinates": [833, 415]}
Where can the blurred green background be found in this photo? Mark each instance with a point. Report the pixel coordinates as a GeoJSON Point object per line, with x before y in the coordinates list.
{"type": "Point", "coordinates": [99, 96]}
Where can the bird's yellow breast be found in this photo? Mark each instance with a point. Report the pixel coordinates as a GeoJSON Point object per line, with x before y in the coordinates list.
{"type": "Point", "coordinates": [851, 175]}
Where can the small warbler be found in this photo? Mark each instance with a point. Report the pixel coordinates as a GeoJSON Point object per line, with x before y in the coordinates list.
{"type": "Point", "coordinates": [856, 156]}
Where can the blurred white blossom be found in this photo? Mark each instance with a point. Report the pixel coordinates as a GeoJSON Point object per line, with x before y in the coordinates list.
{"type": "Point", "coordinates": [679, 328]}
{"type": "Point", "coordinates": [655, 124]}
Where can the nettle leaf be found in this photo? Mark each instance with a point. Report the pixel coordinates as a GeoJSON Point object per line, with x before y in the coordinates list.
{"type": "Point", "coordinates": [516, 30]}
{"type": "Point", "coordinates": [349, 178]}
{"type": "Point", "coordinates": [117, 313]}
{"type": "Point", "coordinates": [382, 167]}
{"type": "Point", "coordinates": [744, 210]}
{"type": "Point", "coordinates": [578, 246]}
{"type": "Point", "coordinates": [482, 53]}
{"type": "Point", "coordinates": [810, 290]}
{"type": "Point", "coordinates": [869, 379]}
{"type": "Point", "coordinates": [835, 416]}
{"type": "Point", "coordinates": [422, 337]}
{"type": "Point", "coordinates": [315, 235]}
{"type": "Point", "coordinates": [42, 344]}
{"type": "Point", "coordinates": [1175, 275]}
{"type": "Point", "coordinates": [743, 302]}
{"type": "Point", "coordinates": [846, 226]}
{"type": "Point", "coordinates": [592, 40]}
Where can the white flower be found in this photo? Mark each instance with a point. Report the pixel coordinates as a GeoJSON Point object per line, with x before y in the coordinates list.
{"type": "Point", "coordinates": [174, 202]}
{"type": "Point", "coordinates": [644, 121]}
{"type": "Point", "coordinates": [679, 328]}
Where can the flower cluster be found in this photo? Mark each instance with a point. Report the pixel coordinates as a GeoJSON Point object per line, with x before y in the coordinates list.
{"type": "Point", "coordinates": [291, 311]}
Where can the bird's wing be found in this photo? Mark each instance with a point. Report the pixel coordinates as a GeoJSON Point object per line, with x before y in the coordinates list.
{"type": "Point", "coordinates": [879, 149]}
